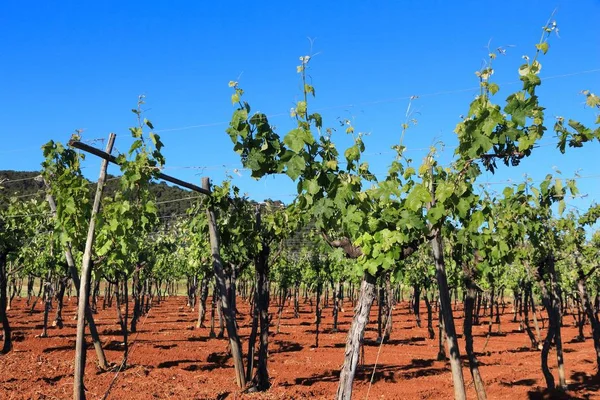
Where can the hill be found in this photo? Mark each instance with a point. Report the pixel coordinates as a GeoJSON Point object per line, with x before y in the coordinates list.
{"type": "Point", "coordinates": [24, 184]}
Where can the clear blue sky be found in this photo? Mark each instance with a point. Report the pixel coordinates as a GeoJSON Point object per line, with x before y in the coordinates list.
{"type": "Point", "coordinates": [81, 65]}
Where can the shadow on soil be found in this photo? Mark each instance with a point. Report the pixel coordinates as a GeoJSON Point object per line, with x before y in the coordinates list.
{"type": "Point", "coordinates": [112, 332]}
{"type": "Point", "coordinates": [583, 387]}
{"type": "Point", "coordinates": [218, 358]}
{"type": "Point", "coordinates": [336, 345]}
{"type": "Point", "coordinates": [491, 334]}
{"type": "Point", "coordinates": [115, 345]}
{"type": "Point", "coordinates": [331, 330]}
{"type": "Point", "coordinates": [192, 367]}
{"type": "Point", "coordinates": [388, 373]}
{"type": "Point", "coordinates": [175, 363]}
{"type": "Point", "coordinates": [164, 346]}
{"type": "Point", "coordinates": [197, 339]}
{"type": "Point", "coordinates": [53, 380]}
{"type": "Point", "coordinates": [286, 347]}
{"type": "Point", "coordinates": [524, 349]}
{"type": "Point", "coordinates": [18, 337]}
{"type": "Point", "coordinates": [522, 382]}
{"type": "Point", "coordinates": [68, 347]}
{"type": "Point", "coordinates": [413, 341]}
{"type": "Point", "coordinates": [583, 381]}
{"type": "Point", "coordinates": [417, 363]}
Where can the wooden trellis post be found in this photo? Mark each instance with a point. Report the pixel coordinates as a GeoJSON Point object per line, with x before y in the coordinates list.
{"type": "Point", "coordinates": [236, 348]}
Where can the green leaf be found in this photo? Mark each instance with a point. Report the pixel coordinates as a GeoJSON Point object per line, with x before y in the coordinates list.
{"type": "Point", "coordinates": [297, 138]}
{"type": "Point", "coordinates": [70, 206]}
{"type": "Point", "coordinates": [417, 197]}
{"type": "Point", "coordinates": [443, 191]}
{"type": "Point", "coordinates": [515, 108]}
{"type": "Point", "coordinates": [151, 207]}
{"type": "Point", "coordinates": [331, 164]}
{"type": "Point", "coordinates": [592, 100]}
{"type": "Point", "coordinates": [104, 249]}
{"type": "Point", "coordinates": [312, 187]}
{"type": "Point", "coordinates": [295, 166]}
{"type": "Point", "coordinates": [301, 108]}
{"type": "Point", "coordinates": [318, 120]}
{"type": "Point", "coordinates": [561, 207]}
{"type": "Point", "coordinates": [372, 267]}
{"type": "Point", "coordinates": [113, 224]}
{"type": "Point", "coordinates": [309, 89]}
{"type": "Point", "coordinates": [476, 221]}
{"type": "Point", "coordinates": [543, 47]}
{"type": "Point", "coordinates": [526, 141]}
{"type": "Point", "coordinates": [148, 123]}
{"type": "Point", "coordinates": [136, 132]}
{"type": "Point", "coordinates": [530, 81]}
{"type": "Point", "coordinates": [463, 207]}
{"type": "Point", "coordinates": [435, 214]}
{"type": "Point", "coordinates": [352, 153]}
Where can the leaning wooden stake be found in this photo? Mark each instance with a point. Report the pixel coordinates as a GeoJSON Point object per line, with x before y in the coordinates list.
{"type": "Point", "coordinates": [234, 339]}
{"type": "Point", "coordinates": [84, 286]}
{"type": "Point", "coordinates": [261, 305]}
{"type": "Point", "coordinates": [75, 276]}
{"type": "Point", "coordinates": [446, 311]}
{"type": "Point", "coordinates": [446, 305]}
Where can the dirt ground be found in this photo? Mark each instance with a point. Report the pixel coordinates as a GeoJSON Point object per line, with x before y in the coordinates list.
{"type": "Point", "coordinates": [169, 359]}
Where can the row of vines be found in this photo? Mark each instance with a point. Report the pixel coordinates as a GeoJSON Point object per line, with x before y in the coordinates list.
{"type": "Point", "coordinates": [425, 231]}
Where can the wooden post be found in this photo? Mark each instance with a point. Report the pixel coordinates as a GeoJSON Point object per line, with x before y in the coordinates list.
{"type": "Point", "coordinates": [75, 276]}
{"type": "Point", "coordinates": [84, 286]}
{"type": "Point", "coordinates": [105, 155]}
{"type": "Point", "coordinates": [261, 305]}
{"type": "Point", "coordinates": [234, 340]}
{"type": "Point", "coordinates": [446, 304]}
{"type": "Point", "coordinates": [79, 392]}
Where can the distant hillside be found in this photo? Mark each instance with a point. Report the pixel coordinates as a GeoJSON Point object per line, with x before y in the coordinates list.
{"type": "Point", "coordinates": [24, 185]}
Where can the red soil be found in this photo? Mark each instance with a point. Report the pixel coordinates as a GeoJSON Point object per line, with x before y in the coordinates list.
{"type": "Point", "coordinates": [171, 360]}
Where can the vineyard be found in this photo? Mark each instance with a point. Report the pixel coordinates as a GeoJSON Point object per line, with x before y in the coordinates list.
{"type": "Point", "coordinates": [420, 284]}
